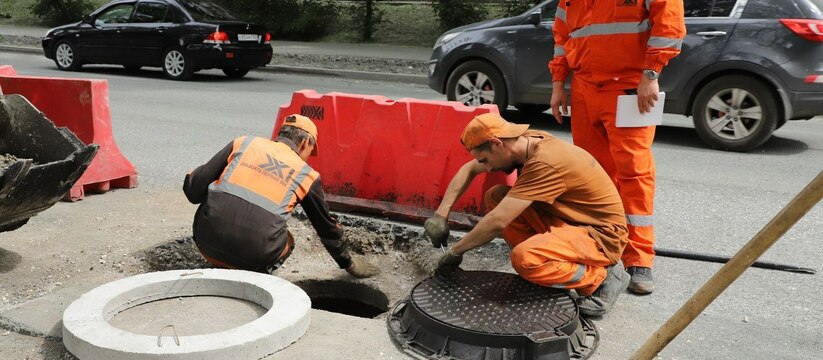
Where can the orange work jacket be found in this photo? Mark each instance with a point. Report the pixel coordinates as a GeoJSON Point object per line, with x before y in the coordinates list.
{"type": "Point", "coordinates": [608, 43]}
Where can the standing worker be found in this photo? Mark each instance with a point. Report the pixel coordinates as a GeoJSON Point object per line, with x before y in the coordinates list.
{"type": "Point", "coordinates": [562, 218]}
{"type": "Point", "coordinates": [614, 48]}
{"type": "Point", "coordinates": [248, 190]}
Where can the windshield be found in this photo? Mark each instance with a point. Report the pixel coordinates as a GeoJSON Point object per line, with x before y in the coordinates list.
{"type": "Point", "coordinates": [206, 11]}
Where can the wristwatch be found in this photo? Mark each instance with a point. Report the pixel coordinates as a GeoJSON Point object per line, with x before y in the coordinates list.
{"type": "Point", "coordinates": [651, 74]}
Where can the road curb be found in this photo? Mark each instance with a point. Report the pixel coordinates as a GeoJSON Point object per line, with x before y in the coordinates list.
{"type": "Point", "coordinates": [345, 74]}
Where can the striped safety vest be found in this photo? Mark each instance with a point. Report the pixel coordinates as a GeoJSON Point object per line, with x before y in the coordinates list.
{"type": "Point", "coordinates": [266, 173]}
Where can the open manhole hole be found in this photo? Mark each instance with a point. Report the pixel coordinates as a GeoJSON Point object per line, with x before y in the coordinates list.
{"type": "Point", "coordinates": [345, 297]}
{"type": "Point", "coordinates": [490, 315]}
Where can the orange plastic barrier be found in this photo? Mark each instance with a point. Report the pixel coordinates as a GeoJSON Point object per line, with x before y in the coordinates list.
{"type": "Point", "coordinates": [394, 156]}
{"type": "Point", "coordinates": [81, 105]}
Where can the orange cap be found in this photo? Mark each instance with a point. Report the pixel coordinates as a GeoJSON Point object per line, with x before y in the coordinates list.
{"type": "Point", "coordinates": [305, 124]}
{"type": "Point", "coordinates": [487, 126]}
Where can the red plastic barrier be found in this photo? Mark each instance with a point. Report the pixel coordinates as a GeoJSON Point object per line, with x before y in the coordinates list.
{"type": "Point", "coordinates": [81, 105]}
{"type": "Point", "coordinates": [398, 154]}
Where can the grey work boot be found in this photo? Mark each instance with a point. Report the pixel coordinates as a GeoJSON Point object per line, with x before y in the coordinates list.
{"type": "Point", "coordinates": [642, 282]}
{"type": "Point", "coordinates": [602, 300]}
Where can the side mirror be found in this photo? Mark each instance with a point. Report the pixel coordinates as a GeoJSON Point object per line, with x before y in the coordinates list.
{"type": "Point", "coordinates": [87, 19]}
{"type": "Point", "coordinates": [534, 18]}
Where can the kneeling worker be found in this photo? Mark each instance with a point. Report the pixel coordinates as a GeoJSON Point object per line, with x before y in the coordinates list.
{"type": "Point", "coordinates": [563, 218]}
{"type": "Point", "coordinates": [248, 190]}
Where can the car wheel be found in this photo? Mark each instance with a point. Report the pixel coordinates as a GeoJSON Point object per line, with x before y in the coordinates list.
{"type": "Point", "coordinates": [736, 113]}
{"type": "Point", "coordinates": [532, 109]}
{"type": "Point", "coordinates": [235, 73]}
{"type": "Point", "coordinates": [132, 67]}
{"type": "Point", "coordinates": [476, 83]}
{"type": "Point", "coordinates": [65, 56]}
{"type": "Point", "coordinates": [176, 65]}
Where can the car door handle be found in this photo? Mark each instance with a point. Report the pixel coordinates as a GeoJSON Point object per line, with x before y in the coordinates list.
{"type": "Point", "coordinates": [511, 32]}
{"type": "Point", "coordinates": [711, 34]}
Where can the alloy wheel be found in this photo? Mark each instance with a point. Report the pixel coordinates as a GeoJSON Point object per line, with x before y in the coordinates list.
{"type": "Point", "coordinates": [64, 55]}
{"type": "Point", "coordinates": [175, 63]}
{"type": "Point", "coordinates": [474, 88]}
{"type": "Point", "coordinates": [733, 114]}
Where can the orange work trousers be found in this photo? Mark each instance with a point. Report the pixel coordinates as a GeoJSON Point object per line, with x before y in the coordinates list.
{"type": "Point", "coordinates": [626, 155]}
{"type": "Point", "coordinates": [549, 252]}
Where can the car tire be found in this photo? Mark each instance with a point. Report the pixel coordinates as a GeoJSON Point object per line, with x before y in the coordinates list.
{"type": "Point", "coordinates": [132, 67]}
{"type": "Point", "coordinates": [532, 109]}
{"type": "Point", "coordinates": [236, 73]}
{"type": "Point", "coordinates": [721, 118]}
{"type": "Point", "coordinates": [66, 57]}
{"type": "Point", "coordinates": [476, 83]}
{"type": "Point", "coordinates": [176, 64]}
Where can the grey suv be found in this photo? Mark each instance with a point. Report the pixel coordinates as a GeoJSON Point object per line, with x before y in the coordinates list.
{"type": "Point", "coordinates": [746, 67]}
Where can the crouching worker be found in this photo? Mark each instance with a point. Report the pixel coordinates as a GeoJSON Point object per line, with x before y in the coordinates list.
{"type": "Point", "coordinates": [563, 218]}
{"type": "Point", "coordinates": [248, 190]}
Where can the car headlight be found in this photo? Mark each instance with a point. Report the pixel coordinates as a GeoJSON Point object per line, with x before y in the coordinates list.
{"type": "Point", "coordinates": [446, 38]}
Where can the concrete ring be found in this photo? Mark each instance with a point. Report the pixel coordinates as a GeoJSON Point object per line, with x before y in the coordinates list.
{"type": "Point", "coordinates": [88, 334]}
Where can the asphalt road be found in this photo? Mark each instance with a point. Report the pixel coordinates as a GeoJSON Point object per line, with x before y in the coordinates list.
{"type": "Point", "coordinates": [707, 201]}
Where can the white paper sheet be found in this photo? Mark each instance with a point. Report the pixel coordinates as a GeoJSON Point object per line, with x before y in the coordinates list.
{"type": "Point", "coordinates": [628, 114]}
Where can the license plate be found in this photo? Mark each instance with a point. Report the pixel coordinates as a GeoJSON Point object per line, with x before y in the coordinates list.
{"type": "Point", "coordinates": [248, 37]}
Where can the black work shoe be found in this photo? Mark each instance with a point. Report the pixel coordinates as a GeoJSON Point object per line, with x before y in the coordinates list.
{"type": "Point", "coordinates": [601, 301]}
{"type": "Point", "coordinates": [642, 282]}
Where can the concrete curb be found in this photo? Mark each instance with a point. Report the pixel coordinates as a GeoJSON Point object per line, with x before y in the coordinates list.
{"type": "Point", "coordinates": [345, 74]}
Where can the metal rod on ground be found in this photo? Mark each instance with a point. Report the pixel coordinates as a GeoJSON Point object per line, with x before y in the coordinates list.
{"type": "Point", "coordinates": [761, 242]}
{"type": "Point", "coordinates": [678, 254]}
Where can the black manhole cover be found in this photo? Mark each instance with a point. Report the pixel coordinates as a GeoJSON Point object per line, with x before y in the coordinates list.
{"type": "Point", "coordinates": [490, 315]}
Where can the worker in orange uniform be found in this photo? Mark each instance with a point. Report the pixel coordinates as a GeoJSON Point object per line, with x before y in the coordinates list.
{"type": "Point", "coordinates": [617, 47]}
{"type": "Point", "coordinates": [563, 218]}
{"type": "Point", "coordinates": [248, 190]}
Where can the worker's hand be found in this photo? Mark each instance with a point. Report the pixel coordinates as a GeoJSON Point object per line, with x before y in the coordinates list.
{"type": "Point", "coordinates": [448, 263]}
{"type": "Point", "coordinates": [559, 101]}
{"type": "Point", "coordinates": [437, 230]}
{"type": "Point", "coordinates": [647, 92]}
{"type": "Point", "coordinates": [360, 268]}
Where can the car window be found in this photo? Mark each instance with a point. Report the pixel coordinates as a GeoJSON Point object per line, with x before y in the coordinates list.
{"type": "Point", "coordinates": [201, 10]}
{"type": "Point", "coordinates": [722, 8]}
{"type": "Point", "coordinates": [149, 12]}
{"type": "Point", "coordinates": [116, 14]}
{"type": "Point", "coordinates": [549, 10]}
{"type": "Point", "coordinates": [772, 9]}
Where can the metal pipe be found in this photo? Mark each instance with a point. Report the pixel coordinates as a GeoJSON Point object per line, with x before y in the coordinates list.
{"type": "Point", "coordinates": [679, 254]}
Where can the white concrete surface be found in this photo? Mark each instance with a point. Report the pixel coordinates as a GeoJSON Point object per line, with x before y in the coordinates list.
{"type": "Point", "coordinates": [88, 334]}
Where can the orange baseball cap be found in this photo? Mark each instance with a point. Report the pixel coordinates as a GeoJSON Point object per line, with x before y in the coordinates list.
{"type": "Point", "coordinates": [487, 126]}
{"type": "Point", "coordinates": [303, 123]}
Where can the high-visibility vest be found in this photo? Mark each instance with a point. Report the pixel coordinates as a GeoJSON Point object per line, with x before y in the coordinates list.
{"type": "Point", "coordinates": [609, 43]}
{"type": "Point", "coordinates": [266, 173]}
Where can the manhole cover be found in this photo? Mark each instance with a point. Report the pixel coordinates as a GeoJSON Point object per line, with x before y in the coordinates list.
{"type": "Point", "coordinates": [490, 315]}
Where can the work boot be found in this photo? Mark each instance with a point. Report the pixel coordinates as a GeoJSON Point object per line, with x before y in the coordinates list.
{"type": "Point", "coordinates": [642, 282]}
{"type": "Point", "coordinates": [602, 300]}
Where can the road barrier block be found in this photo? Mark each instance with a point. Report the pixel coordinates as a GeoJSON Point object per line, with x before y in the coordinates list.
{"type": "Point", "coordinates": [396, 157]}
{"type": "Point", "coordinates": [81, 105]}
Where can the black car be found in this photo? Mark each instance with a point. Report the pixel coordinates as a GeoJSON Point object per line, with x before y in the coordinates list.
{"type": "Point", "coordinates": [179, 36]}
{"type": "Point", "coordinates": [746, 66]}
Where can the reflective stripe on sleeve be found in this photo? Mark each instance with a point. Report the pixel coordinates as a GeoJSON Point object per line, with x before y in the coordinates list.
{"type": "Point", "coordinates": [560, 15]}
{"type": "Point", "coordinates": [664, 42]}
{"type": "Point", "coordinates": [559, 51]}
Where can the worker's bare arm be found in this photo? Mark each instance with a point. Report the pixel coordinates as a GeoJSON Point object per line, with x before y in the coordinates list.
{"type": "Point", "coordinates": [491, 225]}
{"type": "Point", "coordinates": [458, 185]}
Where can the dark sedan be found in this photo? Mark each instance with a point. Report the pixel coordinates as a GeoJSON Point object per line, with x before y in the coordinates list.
{"type": "Point", "coordinates": [179, 36]}
{"type": "Point", "coordinates": [747, 66]}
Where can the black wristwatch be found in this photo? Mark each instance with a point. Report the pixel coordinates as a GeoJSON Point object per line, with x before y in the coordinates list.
{"type": "Point", "coordinates": [651, 74]}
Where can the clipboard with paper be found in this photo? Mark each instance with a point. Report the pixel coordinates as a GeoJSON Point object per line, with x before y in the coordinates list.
{"type": "Point", "coordinates": [628, 114]}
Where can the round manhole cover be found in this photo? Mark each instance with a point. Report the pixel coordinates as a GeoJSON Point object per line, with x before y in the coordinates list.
{"type": "Point", "coordinates": [490, 315]}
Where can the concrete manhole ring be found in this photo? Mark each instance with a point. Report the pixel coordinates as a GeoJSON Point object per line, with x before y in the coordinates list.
{"type": "Point", "coordinates": [88, 334]}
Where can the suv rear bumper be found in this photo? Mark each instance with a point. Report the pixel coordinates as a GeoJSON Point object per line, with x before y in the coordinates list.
{"type": "Point", "coordinates": [805, 105]}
